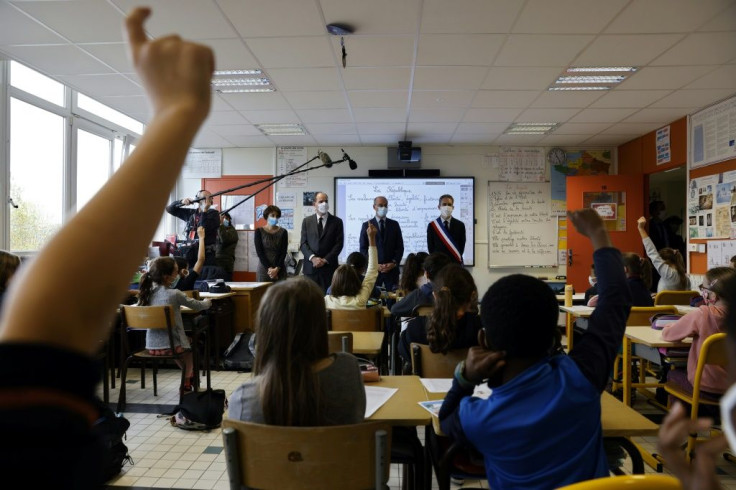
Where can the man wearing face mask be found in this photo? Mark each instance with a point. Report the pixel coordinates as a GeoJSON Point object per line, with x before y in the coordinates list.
{"type": "Point", "coordinates": [447, 234]}
{"type": "Point", "coordinates": [227, 240]}
{"type": "Point", "coordinates": [321, 242]}
{"type": "Point", "coordinates": [389, 242]}
{"type": "Point", "coordinates": [203, 215]}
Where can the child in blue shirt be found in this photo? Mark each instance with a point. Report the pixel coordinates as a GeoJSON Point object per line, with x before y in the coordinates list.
{"type": "Point", "coordinates": [541, 426]}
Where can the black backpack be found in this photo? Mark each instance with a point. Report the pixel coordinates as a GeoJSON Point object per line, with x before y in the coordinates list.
{"type": "Point", "coordinates": [200, 410]}
{"type": "Point", "coordinates": [239, 355]}
{"type": "Point", "coordinates": [110, 430]}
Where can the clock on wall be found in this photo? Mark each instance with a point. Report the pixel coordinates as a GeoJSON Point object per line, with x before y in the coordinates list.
{"type": "Point", "coordinates": [557, 156]}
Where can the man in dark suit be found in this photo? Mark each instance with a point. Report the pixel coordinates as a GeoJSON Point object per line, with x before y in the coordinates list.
{"type": "Point", "coordinates": [446, 234]}
{"type": "Point", "coordinates": [389, 242]}
{"type": "Point", "coordinates": [321, 242]}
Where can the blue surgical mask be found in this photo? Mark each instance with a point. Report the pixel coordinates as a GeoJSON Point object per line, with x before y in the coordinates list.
{"type": "Point", "coordinates": [381, 211]}
{"type": "Point", "coordinates": [226, 222]}
{"type": "Point", "coordinates": [273, 221]}
{"type": "Point", "coordinates": [175, 282]}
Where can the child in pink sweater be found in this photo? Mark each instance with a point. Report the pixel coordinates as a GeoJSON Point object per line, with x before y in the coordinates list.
{"type": "Point", "coordinates": [701, 324]}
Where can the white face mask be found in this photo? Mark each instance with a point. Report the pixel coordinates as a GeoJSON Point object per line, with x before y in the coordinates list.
{"type": "Point", "coordinates": [381, 211]}
{"type": "Point", "coordinates": [728, 405]}
{"type": "Point", "coordinates": [592, 281]}
{"type": "Point", "coordinates": [323, 207]}
{"type": "Point", "coordinates": [446, 211]}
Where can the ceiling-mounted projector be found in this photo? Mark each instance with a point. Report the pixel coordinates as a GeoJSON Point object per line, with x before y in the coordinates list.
{"type": "Point", "coordinates": [407, 153]}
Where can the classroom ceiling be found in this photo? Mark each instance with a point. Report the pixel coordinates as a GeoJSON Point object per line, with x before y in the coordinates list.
{"type": "Point", "coordinates": [436, 72]}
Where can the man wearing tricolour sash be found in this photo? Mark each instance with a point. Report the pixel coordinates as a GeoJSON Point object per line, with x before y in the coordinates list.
{"type": "Point", "coordinates": [446, 234]}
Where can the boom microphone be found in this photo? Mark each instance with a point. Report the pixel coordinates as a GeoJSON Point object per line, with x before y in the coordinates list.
{"type": "Point", "coordinates": [351, 162]}
{"type": "Point", "coordinates": [325, 158]}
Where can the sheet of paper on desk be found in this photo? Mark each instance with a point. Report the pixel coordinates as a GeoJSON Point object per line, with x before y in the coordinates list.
{"type": "Point", "coordinates": [437, 385]}
{"type": "Point", "coordinates": [432, 406]}
{"type": "Point", "coordinates": [375, 397]}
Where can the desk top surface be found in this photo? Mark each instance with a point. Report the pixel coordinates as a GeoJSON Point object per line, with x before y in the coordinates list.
{"type": "Point", "coordinates": [578, 310]}
{"type": "Point", "coordinates": [247, 286]}
{"type": "Point", "coordinates": [651, 337]}
{"type": "Point", "coordinates": [403, 408]}
{"type": "Point", "coordinates": [216, 296]}
{"type": "Point", "coordinates": [366, 342]}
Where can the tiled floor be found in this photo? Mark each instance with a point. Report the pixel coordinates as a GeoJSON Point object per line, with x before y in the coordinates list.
{"type": "Point", "coordinates": [168, 457]}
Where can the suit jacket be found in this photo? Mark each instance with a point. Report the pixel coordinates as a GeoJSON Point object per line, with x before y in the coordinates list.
{"type": "Point", "coordinates": [328, 246]}
{"type": "Point", "coordinates": [457, 232]}
{"type": "Point", "coordinates": [390, 247]}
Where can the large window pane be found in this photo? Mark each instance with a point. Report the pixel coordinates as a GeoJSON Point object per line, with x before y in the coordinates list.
{"type": "Point", "coordinates": [105, 112]}
{"type": "Point", "coordinates": [34, 83]}
{"type": "Point", "coordinates": [36, 171]}
{"type": "Point", "coordinates": [93, 165]}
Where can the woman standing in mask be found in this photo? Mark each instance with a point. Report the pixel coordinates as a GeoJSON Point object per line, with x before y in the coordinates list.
{"type": "Point", "coordinates": [227, 240]}
{"type": "Point", "coordinates": [271, 243]}
{"type": "Point", "coordinates": [447, 234]}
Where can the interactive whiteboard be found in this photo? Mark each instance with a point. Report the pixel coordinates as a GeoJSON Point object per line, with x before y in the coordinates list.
{"type": "Point", "coordinates": [411, 201]}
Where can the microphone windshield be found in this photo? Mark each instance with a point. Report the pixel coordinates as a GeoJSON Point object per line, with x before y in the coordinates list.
{"type": "Point", "coordinates": [325, 159]}
{"type": "Point", "coordinates": [352, 164]}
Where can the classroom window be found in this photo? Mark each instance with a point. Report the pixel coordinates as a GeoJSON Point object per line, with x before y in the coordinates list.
{"type": "Point", "coordinates": [36, 84]}
{"type": "Point", "coordinates": [36, 175]}
{"type": "Point", "coordinates": [93, 165]}
{"type": "Point", "coordinates": [108, 113]}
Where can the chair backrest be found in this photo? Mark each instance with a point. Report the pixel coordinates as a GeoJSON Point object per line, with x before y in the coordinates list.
{"type": "Point", "coordinates": [344, 456]}
{"type": "Point", "coordinates": [148, 317]}
{"type": "Point", "coordinates": [361, 320]}
{"type": "Point", "coordinates": [427, 364]}
{"type": "Point", "coordinates": [422, 310]}
{"type": "Point", "coordinates": [640, 315]}
{"type": "Point", "coordinates": [629, 482]}
{"type": "Point", "coordinates": [674, 297]}
{"type": "Point", "coordinates": [340, 342]}
{"type": "Point", "coordinates": [714, 351]}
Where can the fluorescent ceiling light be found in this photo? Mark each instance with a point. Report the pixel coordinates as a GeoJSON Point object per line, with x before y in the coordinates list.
{"type": "Point", "coordinates": [237, 72]}
{"type": "Point", "coordinates": [592, 79]}
{"type": "Point", "coordinates": [284, 129]}
{"type": "Point", "coordinates": [531, 128]}
{"type": "Point", "coordinates": [598, 69]}
{"type": "Point", "coordinates": [244, 90]}
{"type": "Point", "coordinates": [593, 87]}
{"type": "Point", "coordinates": [239, 82]}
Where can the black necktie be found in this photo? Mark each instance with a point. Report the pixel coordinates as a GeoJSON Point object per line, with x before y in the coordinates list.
{"type": "Point", "coordinates": [447, 225]}
{"type": "Point", "coordinates": [382, 229]}
{"type": "Point", "coordinates": [319, 226]}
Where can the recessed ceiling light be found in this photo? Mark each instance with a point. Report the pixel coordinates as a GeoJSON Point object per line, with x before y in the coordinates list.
{"type": "Point", "coordinates": [283, 129]}
{"type": "Point", "coordinates": [531, 128]}
{"type": "Point", "coordinates": [241, 80]}
{"type": "Point", "coordinates": [592, 77]}
{"type": "Point", "coordinates": [598, 69]}
{"type": "Point", "coordinates": [245, 90]}
{"type": "Point", "coordinates": [593, 87]}
{"type": "Point", "coordinates": [254, 71]}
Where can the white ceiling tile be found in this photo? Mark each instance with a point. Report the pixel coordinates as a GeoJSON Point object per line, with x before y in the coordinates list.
{"type": "Point", "coordinates": [227, 130]}
{"type": "Point", "coordinates": [208, 139]}
{"type": "Point", "coordinates": [290, 79]}
{"type": "Point", "coordinates": [325, 116]}
{"type": "Point", "coordinates": [379, 114]}
{"type": "Point", "coordinates": [101, 85]}
{"type": "Point", "coordinates": [629, 98]}
{"type": "Point", "coordinates": [335, 139]}
{"type": "Point", "coordinates": [566, 99]}
{"type": "Point", "coordinates": [380, 139]}
{"type": "Point", "coordinates": [520, 78]}
{"type": "Point", "coordinates": [231, 54]}
{"type": "Point", "coordinates": [218, 118]}
{"type": "Point", "coordinates": [626, 50]}
{"type": "Point", "coordinates": [246, 141]}
{"type": "Point", "coordinates": [692, 98]}
{"type": "Point", "coordinates": [441, 98]}
{"type": "Point", "coordinates": [504, 98]}
{"type": "Point", "coordinates": [57, 60]}
{"type": "Point", "coordinates": [275, 117]}
{"type": "Point", "coordinates": [449, 78]}
{"type": "Point", "coordinates": [291, 52]}
{"type": "Point", "coordinates": [419, 128]}
{"type": "Point", "coordinates": [546, 115]}
{"type": "Point", "coordinates": [664, 77]}
{"type": "Point", "coordinates": [541, 50]}
{"type": "Point", "coordinates": [473, 139]}
{"type": "Point", "coordinates": [375, 98]}
{"type": "Point", "coordinates": [331, 128]}
{"type": "Point", "coordinates": [563, 139]}
{"type": "Point", "coordinates": [642, 16]}
{"type": "Point", "coordinates": [722, 77]}
{"type": "Point", "coordinates": [490, 115]}
{"type": "Point", "coordinates": [458, 50]}
{"type": "Point", "coordinates": [258, 18]}
{"type": "Point", "coordinates": [268, 101]}
{"type": "Point", "coordinates": [127, 104]}
{"type": "Point", "coordinates": [369, 51]}
{"type": "Point", "coordinates": [567, 16]}
{"type": "Point", "coordinates": [436, 115]}
{"type": "Point", "coordinates": [481, 128]}
{"type": "Point", "coordinates": [144, 117]}
{"type": "Point", "coordinates": [374, 17]}
{"type": "Point", "coordinates": [722, 21]}
{"type": "Point", "coordinates": [316, 100]}
{"type": "Point", "coordinates": [429, 138]}
{"type": "Point", "coordinates": [601, 115]}
{"type": "Point", "coordinates": [113, 54]}
{"type": "Point", "coordinates": [372, 128]}
{"type": "Point", "coordinates": [518, 139]}
{"type": "Point", "coordinates": [18, 28]}
{"type": "Point", "coordinates": [389, 78]}
{"type": "Point", "coordinates": [66, 19]}
{"type": "Point", "coordinates": [710, 48]}
{"type": "Point", "coordinates": [631, 128]}
{"type": "Point", "coordinates": [660, 116]}
{"type": "Point", "coordinates": [191, 19]}
{"type": "Point", "coordinates": [581, 128]}
{"type": "Point", "coordinates": [468, 16]}
{"type": "Point", "coordinates": [609, 139]}
{"type": "Point", "coordinates": [305, 140]}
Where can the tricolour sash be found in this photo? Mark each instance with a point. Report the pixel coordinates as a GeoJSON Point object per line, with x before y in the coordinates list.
{"type": "Point", "coordinates": [447, 239]}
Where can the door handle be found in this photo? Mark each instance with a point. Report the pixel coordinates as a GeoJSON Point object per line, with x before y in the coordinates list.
{"type": "Point", "coordinates": [569, 256]}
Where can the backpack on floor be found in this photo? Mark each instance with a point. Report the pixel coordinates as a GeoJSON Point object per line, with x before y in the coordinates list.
{"type": "Point", "coordinates": [200, 410]}
{"type": "Point", "coordinates": [110, 431]}
{"type": "Point", "coordinates": [239, 355]}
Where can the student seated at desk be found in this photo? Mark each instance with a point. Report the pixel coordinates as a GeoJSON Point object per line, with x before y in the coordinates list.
{"type": "Point", "coordinates": [433, 264]}
{"type": "Point", "coordinates": [639, 278]}
{"type": "Point", "coordinates": [454, 323]}
{"type": "Point", "coordinates": [187, 276]}
{"type": "Point", "coordinates": [358, 262]}
{"type": "Point", "coordinates": [348, 292]}
{"type": "Point", "coordinates": [541, 426]}
{"type": "Point", "coordinates": [701, 324]}
{"type": "Point", "coordinates": [668, 263]}
{"type": "Point", "coordinates": [412, 273]}
{"type": "Point", "coordinates": [296, 381]}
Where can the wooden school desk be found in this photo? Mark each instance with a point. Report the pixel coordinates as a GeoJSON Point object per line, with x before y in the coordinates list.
{"type": "Point", "coordinates": [578, 311]}
{"type": "Point", "coordinates": [247, 299]}
{"type": "Point", "coordinates": [403, 407]}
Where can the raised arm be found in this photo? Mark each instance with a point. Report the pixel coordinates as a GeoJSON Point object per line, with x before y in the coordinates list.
{"type": "Point", "coordinates": [176, 75]}
{"type": "Point", "coordinates": [199, 264]}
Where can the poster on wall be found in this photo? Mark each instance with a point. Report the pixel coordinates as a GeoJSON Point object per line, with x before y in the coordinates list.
{"type": "Point", "coordinates": [712, 206]}
{"type": "Point", "coordinates": [663, 145]}
{"type": "Point", "coordinates": [582, 162]}
{"type": "Point", "coordinates": [713, 134]}
{"type": "Point", "coordinates": [288, 158]}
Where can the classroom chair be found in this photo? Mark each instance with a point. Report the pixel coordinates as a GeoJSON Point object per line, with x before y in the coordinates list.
{"type": "Point", "coordinates": [674, 297]}
{"type": "Point", "coordinates": [357, 320]}
{"type": "Point", "coordinates": [275, 457]}
{"type": "Point", "coordinates": [629, 482]}
{"type": "Point", "coordinates": [427, 364]}
{"type": "Point", "coordinates": [340, 342]}
{"type": "Point", "coordinates": [146, 318]}
{"type": "Point", "coordinates": [714, 351]}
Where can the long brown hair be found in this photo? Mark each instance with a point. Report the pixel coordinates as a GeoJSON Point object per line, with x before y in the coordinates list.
{"type": "Point", "coordinates": [8, 265]}
{"type": "Point", "coordinates": [292, 335]}
{"type": "Point", "coordinates": [345, 281]}
{"type": "Point", "coordinates": [638, 267]}
{"type": "Point", "coordinates": [673, 258]}
{"type": "Point", "coordinates": [453, 288]}
{"type": "Point", "coordinates": [158, 270]}
{"type": "Point", "coordinates": [413, 268]}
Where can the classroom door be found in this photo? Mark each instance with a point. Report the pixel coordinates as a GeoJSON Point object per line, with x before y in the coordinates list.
{"type": "Point", "coordinates": [619, 200]}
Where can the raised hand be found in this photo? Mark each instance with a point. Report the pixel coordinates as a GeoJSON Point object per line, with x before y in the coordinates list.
{"type": "Point", "coordinates": [590, 224]}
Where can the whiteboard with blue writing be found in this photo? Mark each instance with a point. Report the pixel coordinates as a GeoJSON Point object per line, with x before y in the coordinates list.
{"type": "Point", "coordinates": [411, 201]}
